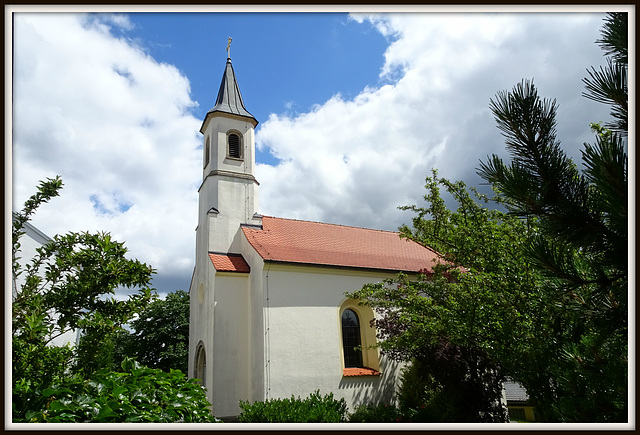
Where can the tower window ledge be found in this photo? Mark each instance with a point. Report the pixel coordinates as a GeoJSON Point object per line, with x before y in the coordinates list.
{"type": "Point", "coordinates": [229, 159]}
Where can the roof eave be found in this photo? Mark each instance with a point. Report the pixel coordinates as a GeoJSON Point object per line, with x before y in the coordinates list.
{"type": "Point", "coordinates": [340, 266]}
{"type": "Point", "coordinates": [215, 112]}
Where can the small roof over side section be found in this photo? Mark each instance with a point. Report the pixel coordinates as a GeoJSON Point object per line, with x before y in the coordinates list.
{"type": "Point", "coordinates": [229, 263]}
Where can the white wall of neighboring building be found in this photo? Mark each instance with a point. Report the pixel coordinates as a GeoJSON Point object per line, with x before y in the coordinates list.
{"type": "Point", "coordinates": [29, 242]}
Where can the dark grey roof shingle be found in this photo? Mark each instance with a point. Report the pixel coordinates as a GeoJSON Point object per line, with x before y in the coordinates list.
{"type": "Point", "coordinates": [229, 99]}
{"type": "Point", "coordinates": [515, 392]}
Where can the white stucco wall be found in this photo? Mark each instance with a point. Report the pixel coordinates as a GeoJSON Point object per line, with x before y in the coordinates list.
{"type": "Point", "coordinates": [303, 338]}
{"type": "Point", "coordinates": [216, 127]}
{"type": "Point", "coordinates": [256, 320]}
{"type": "Point", "coordinates": [229, 321]}
{"type": "Point", "coordinates": [201, 297]}
{"type": "Point", "coordinates": [277, 333]}
{"type": "Point", "coordinates": [231, 355]}
{"type": "Point", "coordinates": [228, 184]}
{"type": "Point", "coordinates": [224, 226]}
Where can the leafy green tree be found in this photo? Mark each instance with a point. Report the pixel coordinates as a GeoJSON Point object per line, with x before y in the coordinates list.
{"type": "Point", "coordinates": [159, 336]}
{"type": "Point", "coordinates": [464, 323]}
{"type": "Point", "coordinates": [66, 286]}
{"type": "Point", "coordinates": [581, 243]}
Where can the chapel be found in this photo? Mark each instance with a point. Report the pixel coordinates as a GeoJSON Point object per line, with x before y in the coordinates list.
{"type": "Point", "coordinates": [268, 313]}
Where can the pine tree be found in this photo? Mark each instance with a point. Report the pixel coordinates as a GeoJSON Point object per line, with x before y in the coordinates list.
{"type": "Point", "coordinates": [582, 216]}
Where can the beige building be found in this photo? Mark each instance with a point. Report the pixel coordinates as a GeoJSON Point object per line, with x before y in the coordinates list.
{"type": "Point", "coordinates": [269, 316]}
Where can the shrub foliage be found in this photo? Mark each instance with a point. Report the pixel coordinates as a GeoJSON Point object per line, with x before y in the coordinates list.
{"type": "Point", "coordinates": [138, 394]}
{"type": "Point", "coordinates": [376, 414]}
{"type": "Point", "coordinates": [313, 409]}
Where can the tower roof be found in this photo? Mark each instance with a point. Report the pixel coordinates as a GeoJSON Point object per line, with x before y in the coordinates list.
{"type": "Point", "coordinates": [229, 98]}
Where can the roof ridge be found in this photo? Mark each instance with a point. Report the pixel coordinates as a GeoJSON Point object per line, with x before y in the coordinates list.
{"type": "Point", "coordinates": [235, 254]}
{"type": "Point", "coordinates": [332, 224]}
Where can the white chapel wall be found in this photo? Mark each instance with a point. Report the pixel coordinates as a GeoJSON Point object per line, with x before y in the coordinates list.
{"type": "Point", "coordinates": [231, 357]}
{"type": "Point", "coordinates": [257, 278]}
{"type": "Point", "coordinates": [303, 339]}
{"type": "Point", "coordinates": [201, 296]}
{"type": "Point", "coordinates": [216, 128]}
{"type": "Point", "coordinates": [225, 225]}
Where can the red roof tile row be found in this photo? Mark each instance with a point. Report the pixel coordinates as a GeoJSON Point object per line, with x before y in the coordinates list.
{"type": "Point", "coordinates": [296, 241]}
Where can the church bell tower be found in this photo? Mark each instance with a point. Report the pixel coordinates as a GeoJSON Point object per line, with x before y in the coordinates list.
{"type": "Point", "coordinates": [228, 200]}
{"type": "Point", "coordinates": [228, 196]}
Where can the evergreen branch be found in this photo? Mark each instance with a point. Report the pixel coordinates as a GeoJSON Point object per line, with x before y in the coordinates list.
{"type": "Point", "coordinates": [609, 86]}
{"type": "Point", "coordinates": [615, 36]}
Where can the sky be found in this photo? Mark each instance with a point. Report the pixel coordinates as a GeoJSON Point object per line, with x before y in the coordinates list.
{"type": "Point", "coordinates": [355, 110]}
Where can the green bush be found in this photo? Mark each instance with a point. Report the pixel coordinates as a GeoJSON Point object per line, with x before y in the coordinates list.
{"type": "Point", "coordinates": [376, 414]}
{"type": "Point", "coordinates": [422, 399]}
{"type": "Point", "coordinates": [417, 387]}
{"type": "Point", "coordinates": [314, 409]}
{"type": "Point", "coordinates": [140, 394]}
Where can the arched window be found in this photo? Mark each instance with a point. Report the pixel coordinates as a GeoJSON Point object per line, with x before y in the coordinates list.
{"type": "Point", "coordinates": [200, 369]}
{"type": "Point", "coordinates": [207, 152]}
{"type": "Point", "coordinates": [360, 355]}
{"type": "Point", "coordinates": [234, 142]}
{"type": "Point", "coordinates": [351, 339]}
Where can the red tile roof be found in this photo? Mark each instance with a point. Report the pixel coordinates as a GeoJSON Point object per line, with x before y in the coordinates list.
{"type": "Point", "coordinates": [229, 263]}
{"type": "Point", "coordinates": [295, 241]}
{"type": "Point", "coordinates": [360, 371]}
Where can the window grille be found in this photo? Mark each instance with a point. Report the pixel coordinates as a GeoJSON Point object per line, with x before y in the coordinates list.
{"type": "Point", "coordinates": [351, 339]}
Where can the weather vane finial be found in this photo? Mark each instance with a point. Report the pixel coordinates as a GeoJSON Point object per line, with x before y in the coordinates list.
{"type": "Point", "coordinates": [229, 48]}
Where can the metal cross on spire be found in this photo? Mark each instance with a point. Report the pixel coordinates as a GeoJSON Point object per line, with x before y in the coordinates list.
{"type": "Point", "coordinates": [229, 48]}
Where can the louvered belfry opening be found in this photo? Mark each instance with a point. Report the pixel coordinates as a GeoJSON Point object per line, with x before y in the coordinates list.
{"type": "Point", "coordinates": [234, 146]}
{"type": "Point", "coordinates": [207, 152]}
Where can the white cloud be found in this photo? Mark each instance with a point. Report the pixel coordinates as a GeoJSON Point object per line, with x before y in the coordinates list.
{"type": "Point", "coordinates": [354, 161]}
{"type": "Point", "coordinates": [93, 107]}
{"type": "Point", "coordinates": [114, 123]}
